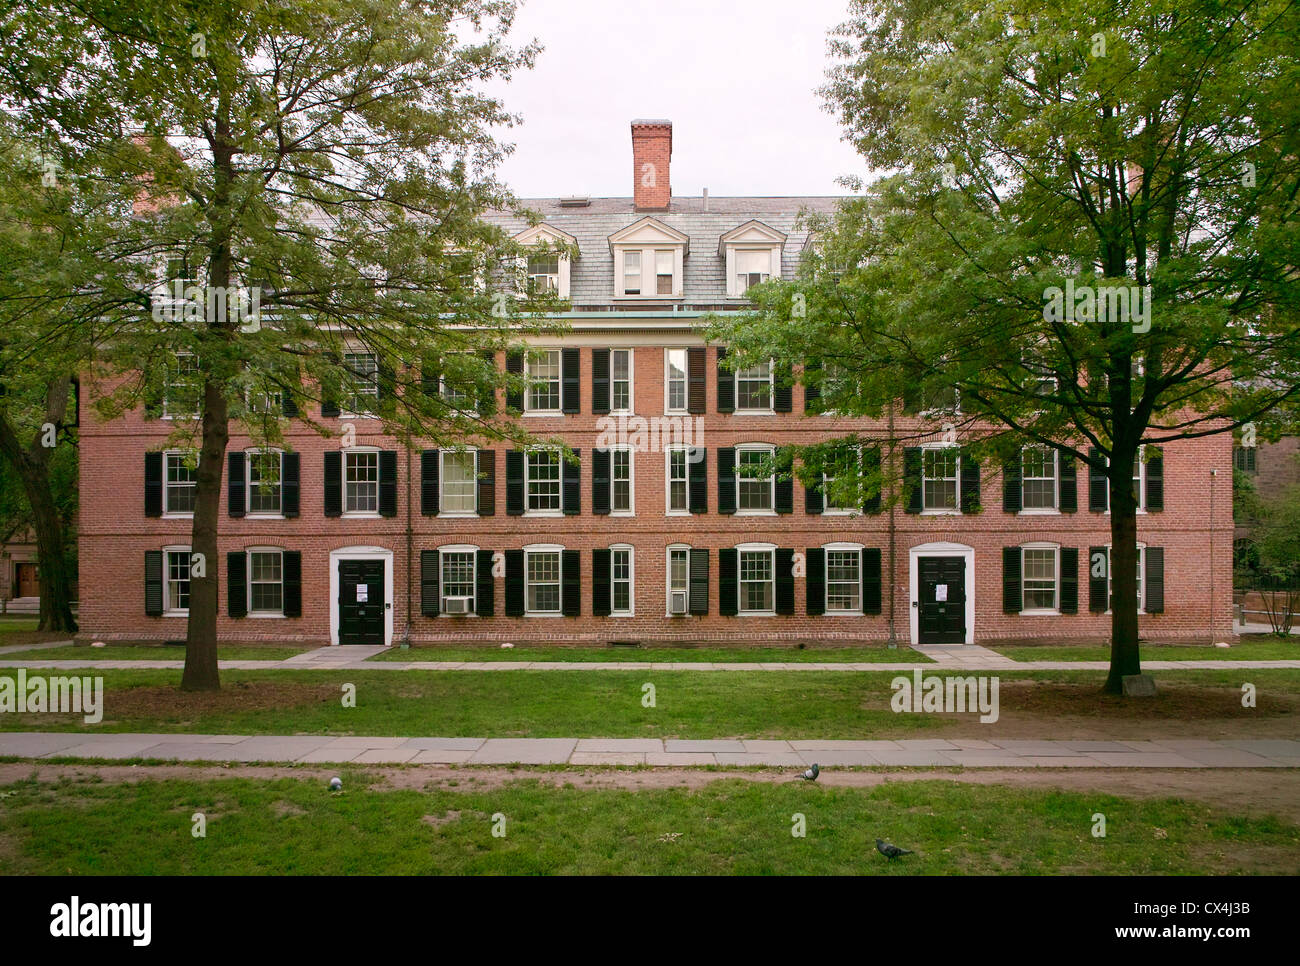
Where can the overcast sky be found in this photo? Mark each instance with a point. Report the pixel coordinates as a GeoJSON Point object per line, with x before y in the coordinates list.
{"type": "Point", "coordinates": [738, 81]}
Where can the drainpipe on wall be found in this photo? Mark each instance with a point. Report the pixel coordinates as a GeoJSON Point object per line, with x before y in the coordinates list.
{"type": "Point", "coordinates": [893, 636]}
{"type": "Point", "coordinates": [1213, 474]}
{"type": "Point", "coordinates": [406, 634]}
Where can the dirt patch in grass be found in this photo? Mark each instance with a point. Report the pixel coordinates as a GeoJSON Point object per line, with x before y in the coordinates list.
{"type": "Point", "coordinates": [16, 638]}
{"type": "Point", "coordinates": [284, 809]}
{"type": "Point", "coordinates": [172, 704]}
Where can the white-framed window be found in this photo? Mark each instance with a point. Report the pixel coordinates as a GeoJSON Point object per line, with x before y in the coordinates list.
{"type": "Point", "coordinates": [1141, 578]}
{"type": "Point", "coordinates": [263, 470]}
{"type": "Point", "coordinates": [940, 489]}
{"type": "Point", "coordinates": [1139, 481]}
{"type": "Point", "coordinates": [752, 267]}
{"type": "Point", "coordinates": [665, 259]}
{"type": "Point", "coordinates": [678, 495]}
{"type": "Point", "coordinates": [675, 380]}
{"type": "Point", "coordinates": [621, 580]}
{"type": "Point", "coordinates": [361, 383]}
{"type": "Point", "coordinates": [843, 578]}
{"type": "Point", "coordinates": [180, 484]}
{"type": "Point", "coordinates": [632, 272]}
{"type": "Point", "coordinates": [457, 577]}
{"type": "Point", "coordinates": [265, 582]}
{"type": "Point", "coordinates": [1042, 380]}
{"type": "Point", "coordinates": [620, 380]}
{"type": "Point", "coordinates": [176, 581]}
{"type": "Point", "coordinates": [830, 507]}
{"type": "Point", "coordinates": [542, 368]}
{"type": "Point", "coordinates": [460, 398]}
{"type": "Point", "coordinates": [754, 494]}
{"type": "Point", "coordinates": [543, 273]}
{"type": "Point", "coordinates": [458, 483]}
{"type": "Point", "coordinates": [754, 388]}
{"type": "Point", "coordinates": [1040, 585]}
{"type": "Point", "coordinates": [542, 481]}
{"type": "Point", "coordinates": [183, 388]}
{"type": "Point", "coordinates": [620, 481]}
{"type": "Point", "coordinates": [648, 257]}
{"type": "Point", "coordinates": [1038, 479]}
{"type": "Point", "coordinates": [679, 578]}
{"type": "Point", "coordinates": [542, 568]}
{"type": "Point", "coordinates": [361, 481]}
{"type": "Point", "coordinates": [757, 576]}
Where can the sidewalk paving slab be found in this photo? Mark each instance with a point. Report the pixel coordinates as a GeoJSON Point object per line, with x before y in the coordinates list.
{"type": "Point", "coordinates": [525, 751]}
{"type": "Point", "coordinates": [713, 746]}
{"type": "Point", "coordinates": [625, 746]}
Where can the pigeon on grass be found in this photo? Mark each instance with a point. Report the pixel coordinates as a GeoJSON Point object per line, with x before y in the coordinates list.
{"type": "Point", "coordinates": [890, 851]}
{"type": "Point", "coordinates": [811, 774]}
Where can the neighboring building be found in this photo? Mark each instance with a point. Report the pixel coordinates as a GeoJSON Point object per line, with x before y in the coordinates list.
{"type": "Point", "coordinates": [19, 574]}
{"type": "Point", "coordinates": [642, 542]}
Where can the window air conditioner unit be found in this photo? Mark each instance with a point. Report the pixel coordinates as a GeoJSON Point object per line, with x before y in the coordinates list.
{"type": "Point", "coordinates": [459, 605]}
{"type": "Point", "coordinates": [677, 602]}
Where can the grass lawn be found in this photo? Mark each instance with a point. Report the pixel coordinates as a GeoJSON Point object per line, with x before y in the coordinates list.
{"type": "Point", "coordinates": [22, 630]}
{"type": "Point", "coordinates": [878, 654]}
{"type": "Point", "coordinates": [1252, 648]}
{"type": "Point", "coordinates": [111, 652]}
{"type": "Point", "coordinates": [731, 826]}
{"type": "Point", "coordinates": [689, 704]}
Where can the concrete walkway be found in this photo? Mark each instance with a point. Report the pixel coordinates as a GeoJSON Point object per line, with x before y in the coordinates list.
{"type": "Point", "coordinates": [919, 753]}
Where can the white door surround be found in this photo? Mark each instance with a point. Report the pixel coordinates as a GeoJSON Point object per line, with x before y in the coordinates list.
{"type": "Point", "coordinates": [361, 553]}
{"type": "Point", "coordinates": [940, 549]}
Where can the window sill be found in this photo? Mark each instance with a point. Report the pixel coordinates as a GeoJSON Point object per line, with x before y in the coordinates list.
{"type": "Point", "coordinates": [754, 412]}
{"type": "Point", "coordinates": [940, 513]}
{"type": "Point", "coordinates": [178, 516]}
{"type": "Point", "coordinates": [543, 613]}
{"type": "Point", "coordinates": [756, 613]}
{"type": "Point", "coordinates": [544, 513]}
{"type": "Point", "coordinates": [263, 516]}
{"type": "Point", "coordinates": [677, 513]}
{"type": "Point", "coordinates": [755, 513]}
{"type": "Point", "coordinates": [543, 412]}
{"type": "Point", "coordinates": [841, 513]}
{"type": "Point", "coordinates": [1040, 612]}
{"type": "Point", "coordinates": [265, 616]}
{"type": "Point", "coordinates": [844, 613]}
{"type": "Point", "coordinates": [1039, 512]}
{"type": "Point", "coordinates": [358, 416]}
{"type": "Point", "coordinates": [362, 515]}
{"type": "Point", "coordinates": [458, 514]}
{"type": "Point", "coordinates": [622, 513]}
{"type": "Point", "coordinates": [622, 613]}
{"type": "Point", "coordinates": [443, 613]}
{"type": "Point", "coordinates": [1140, 511]}
{"type": "Point", "coordinates": [176, 613]}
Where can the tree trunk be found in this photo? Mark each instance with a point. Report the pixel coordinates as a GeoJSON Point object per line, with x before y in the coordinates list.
{"type": "Point", "coordinates": [32, 464]}
{"type": "Point", "coordinates": [201, 638]}
{"type": "Point", "coordinates": [1124, 658]}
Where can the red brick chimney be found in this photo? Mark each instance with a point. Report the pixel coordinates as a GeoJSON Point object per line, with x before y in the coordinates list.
{"type": "Point", "coordinates": [652, 152]}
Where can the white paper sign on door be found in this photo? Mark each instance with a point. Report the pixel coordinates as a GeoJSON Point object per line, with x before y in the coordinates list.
{"type": "Point", "coordinates": [940, 592]}
{"type": "Point", "coordinates": [363, 593]}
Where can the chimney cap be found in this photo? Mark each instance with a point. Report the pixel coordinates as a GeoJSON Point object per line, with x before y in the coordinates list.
{"type": "Point", "coordinates": [652, 122]}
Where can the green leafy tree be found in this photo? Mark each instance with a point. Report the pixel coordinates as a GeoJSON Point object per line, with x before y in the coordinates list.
{"type": "Point", "coordinates": [333, 158]}
{"type": "Point", "coordinates": [1143, 153]}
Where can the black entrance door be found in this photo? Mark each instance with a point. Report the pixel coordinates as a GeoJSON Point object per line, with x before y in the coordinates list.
{"type": "Point", "coordinates": [943, 600]}
{"type": "Point", "coordinates": [361, 602]}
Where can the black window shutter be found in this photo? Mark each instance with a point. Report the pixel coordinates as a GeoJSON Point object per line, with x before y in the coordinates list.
{"type": "Point", "coordinates": [514, 583]}
{"type": "Point", "coordinates": [291, 572]}
{"type": "Point", "coordinates": [698, 583]}
{"type": "Point", "coordinates": [728, 582]}
{"type": "Point", "coordinates": [329, 406]}
{"type": "Point", "coordinates": [814, 501]}
{"type": "Point", "coordinates": [600, 481]}
{"type": "Point", "coordinates": [333, 491]}
{"type": "Point", "coordinates": [486, 466]}
{"type": "Point", "coordinates": [871, 580]}
{"type": "Point", "coordinates": [290, 484]}
{"type": "Point", "coordinates": [153, 398]}
{"type": "Point", "coordinates": [812, 389]}
{"type": "Point", "coordinates": [429, 583]}
{"type": "Point", "coordinates": [871, 474]}
{"type": "Point", "coordinates": [487, 396]}
{"type": "Point", "coordinates": [153, 484]}
{"type": "Point", "coordinates": [726, 386]}
{"type": "Point", "coordinates": [288, 405]}
{"type": "Point", "coordinates": [1069, 484]}
{"type": "Point", "coordinates": [1098, 585]}
{"type": "Point", "coordinates": [1098, 501]}
{"type": "Point", "coordinates": [1155, 479]}
{"type": "Point", "coordinates": [515, 367]}
{"type": "Point", "coordinates": [912, 479]}
{"type": "Point", "coordinates": [726, 479]}
{"type": "Point", "coordinates": [514, 482]}
{"type": "Point", "coordinates": [697, 469]}
{"type": "Point", "coordinates": [430, 377]}
{"type": "Point", "coordinates": [970, 483]}
{"type": "Point", "coordinates": [816, 589]}
{"type": "Point", "coordinates": [571, 372]}
{"type": "Point", "coordinates": [784, 581]}
{"type": "Point", "coordinates": [236, 583]}
{"type": "Point", "coordinates": [429, 483]}
{"type": "Point", "coordinates": [571, 474]}
{"type": "Point", "coordinates": [153, 598]}
{"type": "Point", "coordinates": [783, 390]}
{"type": "Point", "coordinates": [1153, 600]}
{"type": "Point", "coordinates": [600, 589]}
{"type": "Point", "coordinates": [386, 386]}
{"type": "Point", "coordinates": [484, 586]}
{"type": "Point", "coordinates": [1069, 595]}
{"type": "Point", "coordinates": [784, 501]}
{"type": "Point", "coordinates": [1011, 596]}
{"type": "Point", "coordinates": [695, 358]}
{"type": "Point", "coordinates": [1012, 488]}
{"type": "Point", "coordinates": [388, 483]}
{"type": "Point", "coordinates": [600, 381]}
{"type": "Point", "coordinates": [571, 583]}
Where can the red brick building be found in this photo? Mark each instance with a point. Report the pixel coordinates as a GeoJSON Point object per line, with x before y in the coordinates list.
{"type": "Point", "coordinates": [655, 535]}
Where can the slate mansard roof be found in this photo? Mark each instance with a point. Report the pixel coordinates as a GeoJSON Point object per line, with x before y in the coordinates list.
{"type": "Point", "coordinates": [592, 275]}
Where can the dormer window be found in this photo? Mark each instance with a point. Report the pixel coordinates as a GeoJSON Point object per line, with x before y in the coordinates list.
{"type": "Point", "coordinates": [752, 254]}
{"type": "Point", "coordinates": [547, 271]}
{"type": "Point", "coordinates": [648, 260]}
